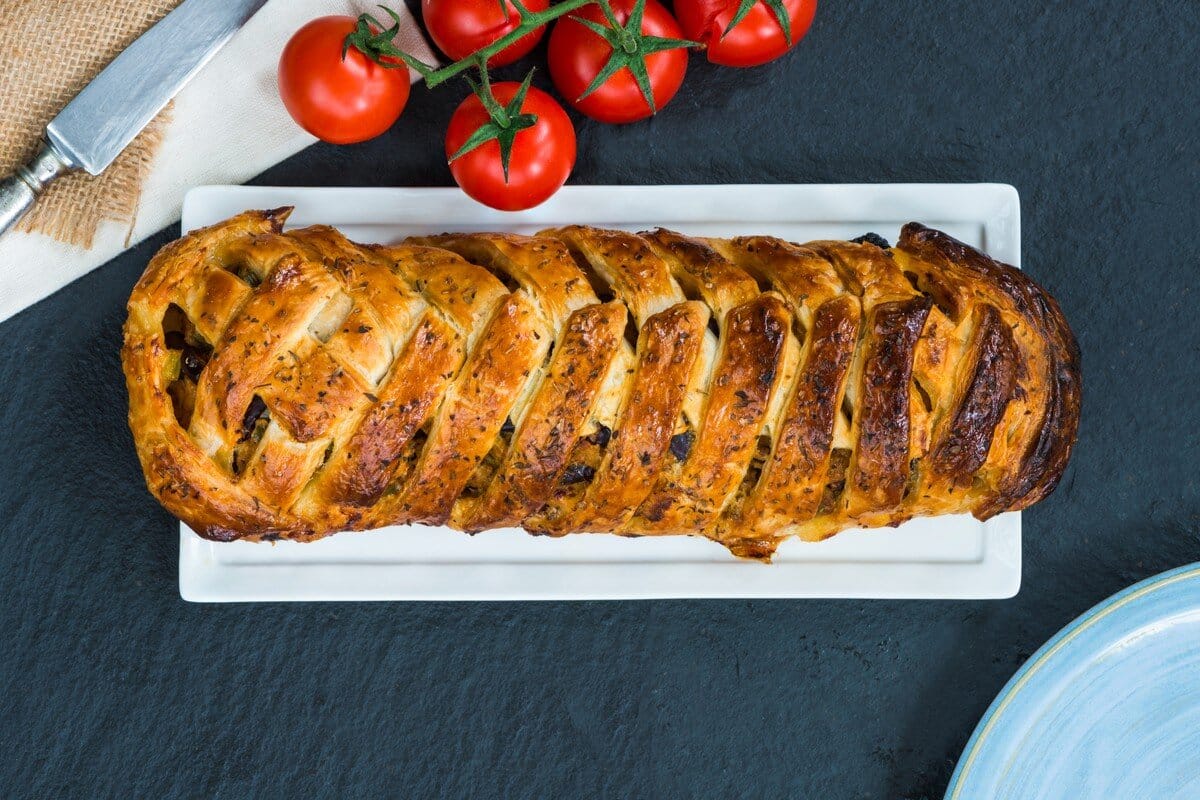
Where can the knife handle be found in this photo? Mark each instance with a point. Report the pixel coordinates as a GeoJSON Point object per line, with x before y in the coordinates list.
{"type": "Point", "coordinates": [18, 191]}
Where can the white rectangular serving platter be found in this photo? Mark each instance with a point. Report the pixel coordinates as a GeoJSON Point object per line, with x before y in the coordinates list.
{"type": "Point", "coordinates": [941, 557]}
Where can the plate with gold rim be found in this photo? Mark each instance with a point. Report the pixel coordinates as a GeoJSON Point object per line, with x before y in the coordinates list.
{"type": "Point", "coordinates": [1108, 708]}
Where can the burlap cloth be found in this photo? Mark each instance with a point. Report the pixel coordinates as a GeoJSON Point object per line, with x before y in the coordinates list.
{"type": "Point", "coordinates": [48, 52]}
{"type": "Point", "coordinates": [226, 126]}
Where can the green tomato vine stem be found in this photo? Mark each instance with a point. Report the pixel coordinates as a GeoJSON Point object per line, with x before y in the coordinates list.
{"type": "Point", "coordinates": [529, 22]}
{"type": "Point", "coordinates": [496, 111]}
{"type": "Point", "coordinates": [629, 50]}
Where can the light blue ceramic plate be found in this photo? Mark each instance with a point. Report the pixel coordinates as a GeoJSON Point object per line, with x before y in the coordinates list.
{"type": "Point", "coordinates": [1109, 708]}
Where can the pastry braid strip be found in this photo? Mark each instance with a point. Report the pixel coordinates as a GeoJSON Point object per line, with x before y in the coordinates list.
{"type": "Point", "coordinates": [563, 398]}
{"type": "Point", "coordinates": [691, 493]}
{"type": "Point", "coordinates": [504, 359]}
{"type": "Point", "coordinates": [795, 476]}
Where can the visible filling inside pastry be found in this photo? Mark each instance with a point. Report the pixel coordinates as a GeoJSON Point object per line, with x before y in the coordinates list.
{"type": "Point", "coordinates": [914, 477]}
{"type": "Point", "coordinates": [600, 287]}
{"type": "Point", "coordinates": [582, 463]}
{"type": "Point", "coordinates": [839, 461]}
{"type": "Point", "coordinates": [762, 451]}
{"type": "Point", "coordinates": [326, 323]}
{"type": "Point", "coordinates": [187, 357]}
{"type": "Point", "coordinates": [254, 425]}
{"type": "Point", "coordinates": [681, 444]}
{"type": "Point", "coordinates": [406, 462]}
{"type": "Point", "coordinates": [586, 457]}
{"type": "Point", "coordinates": [248, 275]}
{"type": "Point", "coordinates": [491, 462]}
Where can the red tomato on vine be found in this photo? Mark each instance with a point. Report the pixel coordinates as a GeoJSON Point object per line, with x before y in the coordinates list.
{"type": "Point", "coordinates": [460, 27]}
{"type": "Point", "coordinates": [745, 33]}
{"type": "Point", "coordinates": [335, 84]}
{"type": "Point", "coordinates": [618, 68]}
{"type": "Point", "coordinates": [510, 146]}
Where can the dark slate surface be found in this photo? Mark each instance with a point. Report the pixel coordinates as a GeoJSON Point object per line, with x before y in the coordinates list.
{"type": "Point", "coordinates": [111, 686]}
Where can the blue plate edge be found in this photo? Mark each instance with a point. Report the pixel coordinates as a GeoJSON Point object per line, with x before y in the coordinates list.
{"type": "Point", "coordinates": [970, 751]}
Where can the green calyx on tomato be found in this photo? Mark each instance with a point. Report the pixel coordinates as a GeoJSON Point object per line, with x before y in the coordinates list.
{"type": "Point", "coordinates": [629, 49]}
{"type": "Point", "coordinates": [745, 33]}
{"type": "Point", "coordinates": [460, 28]}
{"type": "Point", "coordinates": [376, 43]}
{"type": "Point", "coordinates": [777, 8]}
{"type": "Point", "coordinates": [542, 155]}
{"type": "Point", "coordinates": [338, 94]}
{"type": "Point", "coordinates": [505, 123]}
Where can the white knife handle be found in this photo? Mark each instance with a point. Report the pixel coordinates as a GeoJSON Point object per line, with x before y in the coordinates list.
{"type": "Point", "coordinates": [18, 191]}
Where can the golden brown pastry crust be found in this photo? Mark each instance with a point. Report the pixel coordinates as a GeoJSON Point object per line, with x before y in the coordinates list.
{"type": "Point", "coordinates": [291, 385]}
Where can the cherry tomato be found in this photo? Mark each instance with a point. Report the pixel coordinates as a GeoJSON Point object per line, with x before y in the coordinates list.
{"type": "Point", "coordinates": [577, 54]}
{"type": "Point", "coordinates": [542, 156]}
{"type": "Point", "coordinates": [335, 99]}
{"type": "Point", "coordinates": [757, 39]}
{"type": "Point", "coordinates": [460, 27]}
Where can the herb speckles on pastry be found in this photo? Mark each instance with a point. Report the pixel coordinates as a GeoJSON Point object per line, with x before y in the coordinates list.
{"type": "Point", "coordinates": [295, 384]}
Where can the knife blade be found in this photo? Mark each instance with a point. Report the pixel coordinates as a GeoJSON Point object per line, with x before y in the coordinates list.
{"type": "Point", "coordinates": [111, 110]}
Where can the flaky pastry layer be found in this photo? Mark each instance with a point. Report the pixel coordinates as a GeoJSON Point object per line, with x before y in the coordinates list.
{"type": "Point", "coordinates": [295, 384]}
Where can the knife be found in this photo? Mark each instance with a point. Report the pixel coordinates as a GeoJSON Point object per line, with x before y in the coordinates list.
{"type": "Point", "coordinates": [103, 118]}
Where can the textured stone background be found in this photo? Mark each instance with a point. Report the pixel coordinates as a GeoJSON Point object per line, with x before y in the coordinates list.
{"type": "Point", "coordinates": [111, 686]}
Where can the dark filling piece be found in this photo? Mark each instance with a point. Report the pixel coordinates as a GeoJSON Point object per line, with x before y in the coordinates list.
{"type": "Point", "coordinates": [872, 238]}
{"type": "Point", "coordinates": [577, 473]}
{"type": "Point", "coordinates": [681, 444]}
{"type": "Point", "coordinates": [926, 400]}
{"type": "Point", "coordinates": [193, 353]}
{"type": "Point", "coordinates": [255, 420]}
{"type": "Point", "coordinates": [254, 426]}
{"type": "Point", "coordinates": [600, 437]}
{"type": "Point", "coordinates": [582, 462]}
{"type": "Point", "coordinates": [249, 276]}
{"type": "Point", "coordinates": [631, 331]}
{"type": "Point", "coordinates": [714, 327]}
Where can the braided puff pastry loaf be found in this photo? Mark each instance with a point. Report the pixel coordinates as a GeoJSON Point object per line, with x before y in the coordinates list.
{"type": "Point", "coordinates": [290, 385]}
